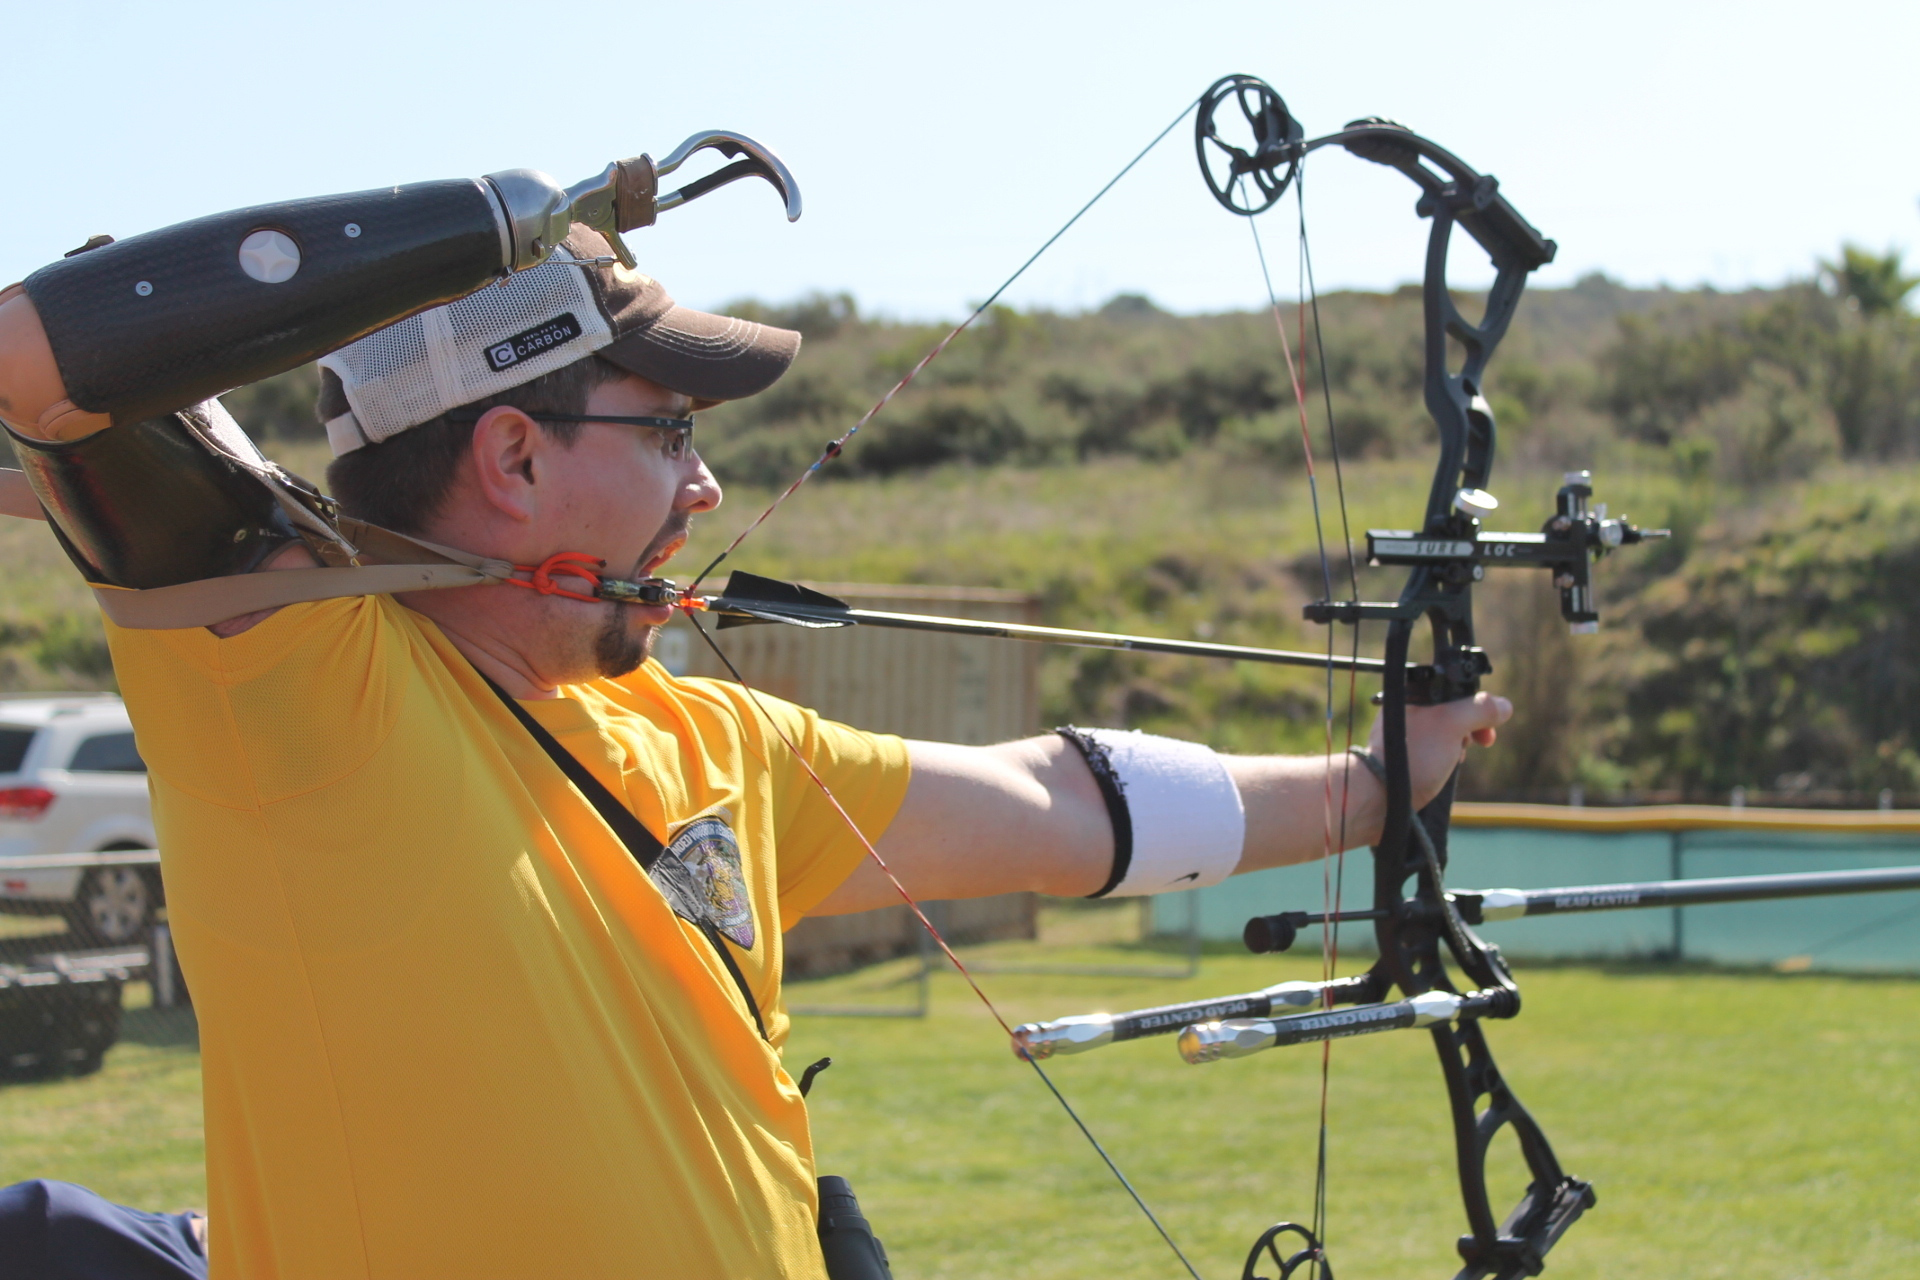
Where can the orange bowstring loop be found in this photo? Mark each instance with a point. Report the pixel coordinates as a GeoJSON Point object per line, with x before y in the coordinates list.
{"type": "Point", "coordinates": [575, 564]}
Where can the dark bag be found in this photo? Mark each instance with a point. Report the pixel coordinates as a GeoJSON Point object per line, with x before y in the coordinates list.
{"type": "Point", "coordinates": [851, 1249]}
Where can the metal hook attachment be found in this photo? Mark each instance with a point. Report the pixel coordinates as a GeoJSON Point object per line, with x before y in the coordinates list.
{"type": "Point", "coordinates": [625, 196]}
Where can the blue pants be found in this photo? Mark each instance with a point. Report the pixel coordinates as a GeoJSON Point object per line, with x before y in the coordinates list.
{"type": "Point", "coordinates": [58, 1231]}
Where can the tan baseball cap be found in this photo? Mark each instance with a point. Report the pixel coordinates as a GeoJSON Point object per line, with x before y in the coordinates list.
{"type": "Point", "coordinates": [580, 302]}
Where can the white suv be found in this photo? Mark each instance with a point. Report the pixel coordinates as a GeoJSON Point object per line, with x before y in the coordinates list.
{"type": "Point", "coordinates": [71, 781]}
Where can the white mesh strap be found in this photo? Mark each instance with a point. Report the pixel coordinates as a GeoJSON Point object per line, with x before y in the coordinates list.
{"type": "Point", "coordinates": [344, 434]}
{"type": "Point", "coordinates": [1187, 820]}
{"type": "Point", "coordinates": [490, 341]}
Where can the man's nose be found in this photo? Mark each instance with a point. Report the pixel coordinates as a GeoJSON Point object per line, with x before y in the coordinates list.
{"type": "Point", "coordinates": [701, 492]}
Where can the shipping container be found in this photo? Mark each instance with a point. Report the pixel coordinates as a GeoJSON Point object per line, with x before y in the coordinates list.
{"type": "Point", "coordinates": [939, 688]}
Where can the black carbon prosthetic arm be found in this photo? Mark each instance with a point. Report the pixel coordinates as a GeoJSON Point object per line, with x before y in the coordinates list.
{"type": "Point", "coordinates": [153, 503]}
{"type": "Point", "coordinates": [157, 322]}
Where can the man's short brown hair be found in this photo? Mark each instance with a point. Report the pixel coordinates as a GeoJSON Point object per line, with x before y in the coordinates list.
{"type": "Point", "coordinates": [403, 482]}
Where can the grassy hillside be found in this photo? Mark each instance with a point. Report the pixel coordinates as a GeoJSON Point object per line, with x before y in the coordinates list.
{"type": "Point", "coordinates": [1140, 470]}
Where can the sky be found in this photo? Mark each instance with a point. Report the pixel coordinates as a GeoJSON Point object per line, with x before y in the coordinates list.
{"type": "Point", "coordinates": [937, 146]}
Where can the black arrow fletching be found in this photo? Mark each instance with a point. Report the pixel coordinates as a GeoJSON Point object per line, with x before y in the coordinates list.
{"type": "Point", "coordinates": [747, 590]}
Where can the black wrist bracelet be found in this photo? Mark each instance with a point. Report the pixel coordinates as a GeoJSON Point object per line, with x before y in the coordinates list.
{"type": "Point", "coordinates": [1114, 792]}
{"type": "Point", "coordinates": [1375, 765]}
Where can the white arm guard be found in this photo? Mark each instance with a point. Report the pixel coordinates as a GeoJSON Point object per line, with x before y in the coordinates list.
{"type": "Point", "coordinates": [1177, 818]}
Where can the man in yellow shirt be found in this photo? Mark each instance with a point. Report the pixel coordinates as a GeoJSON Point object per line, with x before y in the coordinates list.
{"type": "Point", "coordinates": [460, 1014]}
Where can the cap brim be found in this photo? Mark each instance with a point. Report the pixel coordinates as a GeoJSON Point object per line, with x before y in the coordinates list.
{"type": "Point", "coordinates": [704, 356]}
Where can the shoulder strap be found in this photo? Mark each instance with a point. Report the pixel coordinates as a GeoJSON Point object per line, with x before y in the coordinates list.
{"type": "Point", "coordinates": [641, 843]}
{"type": "Point", "coordinates": [377, 562]}
{"type": "Point", "coordinates": [384, 563]}
{"type": "Point", "coordinates": [670, 875]}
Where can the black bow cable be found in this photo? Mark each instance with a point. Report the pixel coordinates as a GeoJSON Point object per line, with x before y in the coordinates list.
{"type": "Point", "coordinates": [914, 906]}
{"type": "Point", "coordinates": [832, 451]}
{"type": "Point", "coordinates": [1333, 877]}
{"type": "Point", "coordinates": [1334, 897]}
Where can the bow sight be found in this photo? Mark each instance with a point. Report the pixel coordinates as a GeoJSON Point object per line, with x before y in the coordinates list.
{"type": "Point", "coordinates": [1453, 552]}
{"type": "Point", "coordinates": [1567, 545]}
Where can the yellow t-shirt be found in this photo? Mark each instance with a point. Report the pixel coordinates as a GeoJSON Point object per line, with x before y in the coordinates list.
{"type": "Point", "coordinates": [448, 1026]}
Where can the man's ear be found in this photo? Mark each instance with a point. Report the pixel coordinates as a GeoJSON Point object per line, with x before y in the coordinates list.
{"type": "Point", "coordinates": [505, 453]}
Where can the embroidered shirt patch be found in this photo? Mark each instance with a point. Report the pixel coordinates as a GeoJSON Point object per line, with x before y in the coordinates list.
{"type": "Point", "coordinates": [709, 851]}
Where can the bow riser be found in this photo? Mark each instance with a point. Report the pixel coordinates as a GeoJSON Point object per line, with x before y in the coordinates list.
{"type": "Point", "coordinates": [1411, 927]}
{"type": "Point", "coordinates": [1411, 913]}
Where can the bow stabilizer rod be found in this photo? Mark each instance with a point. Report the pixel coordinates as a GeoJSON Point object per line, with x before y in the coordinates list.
{"type": "Point", "coordinates": [1242, 1037]}
{"type": "Point", "coordinates": [1084, 1032]}
{"type": "Point", "coordinates": [1266, 934]}
{"type": "Point", "coordinates": [1478, 906]}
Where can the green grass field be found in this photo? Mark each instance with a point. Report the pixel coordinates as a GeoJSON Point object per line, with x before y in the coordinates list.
{"type": "Point", "coordinates": [1735, 1124]}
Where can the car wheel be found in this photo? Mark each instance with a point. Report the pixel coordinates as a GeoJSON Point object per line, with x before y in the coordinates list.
{"type": "Point", "coordinates": [114, 906]}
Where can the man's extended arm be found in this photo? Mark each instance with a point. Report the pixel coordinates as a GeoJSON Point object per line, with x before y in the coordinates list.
{"type": "Point", "coordinates": [1029, 816]}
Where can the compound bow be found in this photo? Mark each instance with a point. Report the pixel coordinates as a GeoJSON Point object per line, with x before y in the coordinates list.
{"type": "Point", "coordinates": [1413, 916]}
{"type": "Point", "coordinates": [1446, 556]}
{"type": "Point", "coordinates": [1417, 921]}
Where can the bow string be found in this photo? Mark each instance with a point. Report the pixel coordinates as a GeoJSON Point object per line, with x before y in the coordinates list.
{"type": "Point", "coordinates": [832, 450]}
{"type": "Point", "coordinates": [1249, 160]}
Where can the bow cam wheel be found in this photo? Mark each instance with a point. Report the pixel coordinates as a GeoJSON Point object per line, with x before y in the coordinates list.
{"type": "Point", "coordinates": [1311, 1255]}
{"type": "Point", "coordinates": [1241, 151]}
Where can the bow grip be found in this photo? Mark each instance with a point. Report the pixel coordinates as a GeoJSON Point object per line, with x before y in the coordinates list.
{"type": "Point", "coordinates": [144, 326]}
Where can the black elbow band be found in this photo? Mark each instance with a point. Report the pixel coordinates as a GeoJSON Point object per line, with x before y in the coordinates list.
{"type": "Point", "coordinates": [168, 500]}
{"type": "Point", "coordinates": [154, 323]}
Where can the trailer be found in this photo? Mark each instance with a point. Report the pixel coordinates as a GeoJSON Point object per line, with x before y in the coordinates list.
{"type": "Point", "coordinates": [61, 994]}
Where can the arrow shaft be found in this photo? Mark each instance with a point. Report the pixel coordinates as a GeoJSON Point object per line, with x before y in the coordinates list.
{"type": "Point", "coordinates": [822, 614]}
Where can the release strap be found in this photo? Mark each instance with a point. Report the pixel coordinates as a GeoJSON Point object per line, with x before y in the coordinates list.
{"type": "Point", "coordinates": [399, 563]}
{"type": "Point", "coordinates": [670, 875]}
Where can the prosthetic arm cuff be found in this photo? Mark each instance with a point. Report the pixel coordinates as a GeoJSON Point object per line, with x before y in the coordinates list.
{"type": "Point", "coordinates": [167, 518]}
{"type": "Point", "coordinates": [168, 500]}
{"type": "Point", "coordinates": [1178, 822]}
